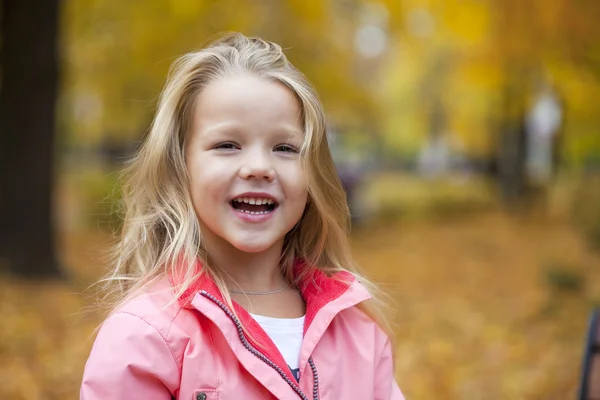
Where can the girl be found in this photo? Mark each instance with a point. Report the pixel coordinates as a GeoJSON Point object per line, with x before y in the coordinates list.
{"type": "Point", "coordinates": [233, 268]}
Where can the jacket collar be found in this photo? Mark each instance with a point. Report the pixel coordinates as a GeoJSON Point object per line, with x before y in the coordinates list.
{"type": "Point", "coordinates": [319, 290]}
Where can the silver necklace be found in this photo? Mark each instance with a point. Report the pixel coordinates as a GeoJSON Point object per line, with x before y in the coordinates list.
{"type": "Point", "coordinates": [259, 293]}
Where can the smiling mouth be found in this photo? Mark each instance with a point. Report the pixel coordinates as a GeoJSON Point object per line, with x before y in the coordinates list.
{"type": "Point", "coordinates": [253, 206]}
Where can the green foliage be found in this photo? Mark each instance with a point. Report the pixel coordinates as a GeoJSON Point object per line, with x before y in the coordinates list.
{"type": "Point", "coordinates": [102, 194]}
{"type": "Point", "coordinates": [593, 233]}
{"type": "Point", "coordinates": [586, 208]}
{"type": "Point", "coordinates": [404, 197]}
{"type": "Point", "coordinates": [563, 277]}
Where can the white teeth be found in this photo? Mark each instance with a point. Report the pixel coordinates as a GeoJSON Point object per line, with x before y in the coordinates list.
{"type": "Point", "coordinates": [254, 212]}
{"type": "Point", "coordinates": [255, 201]}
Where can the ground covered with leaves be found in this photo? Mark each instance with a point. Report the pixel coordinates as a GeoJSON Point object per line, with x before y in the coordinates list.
{"type": "Point", "coordinates": [487, 307]}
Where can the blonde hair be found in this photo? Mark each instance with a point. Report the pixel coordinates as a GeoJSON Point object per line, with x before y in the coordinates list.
{"type": "Point", "coordinates": [160, 229]}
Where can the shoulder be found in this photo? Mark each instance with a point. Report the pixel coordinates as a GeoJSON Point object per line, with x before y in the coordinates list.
{"type": "Point", "coordinates": [154, 318]}
{"type": "Point", "coordinates": [359, 322]}
{"type": "Point", "coordinates": [156, 305]}
{"type": "Point", "coordinates": [138, 348]}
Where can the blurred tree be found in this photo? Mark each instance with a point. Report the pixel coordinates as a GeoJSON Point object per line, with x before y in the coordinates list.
{"type": "Point", "coordinates": [27, 108]}
{"type": "Point", "coordinates": [116, 60]}
{"type": "Point", "coordinates": [497, 55]}
{"type": "Point", "coordinates": [534, 42]}
{"type": "Point", "coordinates": [517, 65]}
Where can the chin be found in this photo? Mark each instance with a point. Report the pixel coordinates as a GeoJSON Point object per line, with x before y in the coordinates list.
{"type": "Point", "coordinates": [252, 247]}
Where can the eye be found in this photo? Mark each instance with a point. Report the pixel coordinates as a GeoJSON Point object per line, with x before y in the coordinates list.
{"type": "Point", "coordinates": [286, 148]}
{"type": "Point", "coordinates": [226, 146]}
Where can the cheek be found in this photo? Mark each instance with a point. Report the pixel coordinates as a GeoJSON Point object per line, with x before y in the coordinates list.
{"type": "Point", "coordinates": [205, 195]}
{"type": "Point", "coordinates": [298, 177]}
{"type": "Point", "coordinates": [206, 188]}
{"type": "Point", "coordinates": [298, 188]}
{"type": "Point", "coordinates": [205, 176]}
{"type": "Point", "coordinates": [200, 191]}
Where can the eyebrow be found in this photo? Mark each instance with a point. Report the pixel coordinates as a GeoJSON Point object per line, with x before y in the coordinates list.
{"type": "Point", "coordinates": [226, 128]}
{"type": "Point", "coordinates": [290, 132]}
{"type": "Point", "coordinates": [219, 128]}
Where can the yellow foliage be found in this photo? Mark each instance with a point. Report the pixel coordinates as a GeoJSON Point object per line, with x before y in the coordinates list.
{"type": "Point", "coordinates": [467, 52]}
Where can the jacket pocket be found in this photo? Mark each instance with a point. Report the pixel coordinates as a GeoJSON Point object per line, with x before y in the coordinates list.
{"type": "Point", "coordinates": [205, 394]}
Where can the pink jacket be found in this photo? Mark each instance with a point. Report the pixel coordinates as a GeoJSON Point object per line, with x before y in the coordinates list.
{"type": "Point", "coordinates": [195, 349]}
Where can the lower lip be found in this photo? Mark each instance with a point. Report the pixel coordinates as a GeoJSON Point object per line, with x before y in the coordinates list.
{"type": "Point", "coordinates": [255, 218]}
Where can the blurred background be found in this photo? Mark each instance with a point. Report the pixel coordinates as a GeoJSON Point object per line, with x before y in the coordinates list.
{"type": "Point", "coordinates": [466, 133]}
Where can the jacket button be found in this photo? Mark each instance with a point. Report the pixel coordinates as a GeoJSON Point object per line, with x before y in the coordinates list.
{"type": "Point", "coordinates": [201, 396]}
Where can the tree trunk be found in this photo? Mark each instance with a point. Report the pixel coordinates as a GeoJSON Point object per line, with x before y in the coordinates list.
{"type": "Point", "coordinates": [27, 121]}
{"type": "Point", "coordinates": [511, 148]}
{"type": "Point", "coordinates": [511, 163]}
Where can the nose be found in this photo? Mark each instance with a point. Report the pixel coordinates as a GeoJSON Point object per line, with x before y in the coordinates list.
{"type": "Point", "coordinates": [257, 165]}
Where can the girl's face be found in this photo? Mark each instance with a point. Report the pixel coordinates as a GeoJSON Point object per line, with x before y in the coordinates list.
{"type": "Point", "coordinates": [242, 156]}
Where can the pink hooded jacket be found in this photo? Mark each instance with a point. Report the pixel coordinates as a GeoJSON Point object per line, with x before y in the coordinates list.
{"type": "Point", "coordinates": [195, 349]}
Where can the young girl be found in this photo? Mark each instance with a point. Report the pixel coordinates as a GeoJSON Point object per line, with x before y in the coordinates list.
{"type": "Point", "coordinates": [234, 267]}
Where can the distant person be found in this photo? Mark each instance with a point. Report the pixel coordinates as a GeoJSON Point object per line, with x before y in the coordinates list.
{"type": "Point", "coordinates": [350, 177]}
{"type": "Point", "coordinates": [543, 124]}
{"type": "Point", "coordinates": [234, 272]}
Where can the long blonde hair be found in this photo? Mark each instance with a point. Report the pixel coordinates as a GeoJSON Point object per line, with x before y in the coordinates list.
{"type": "Point", "coordinates": [160, 229]}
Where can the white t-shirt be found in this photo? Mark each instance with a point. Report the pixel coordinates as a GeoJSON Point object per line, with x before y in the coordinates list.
{"type": "Point", "coordinates": [287, 335]}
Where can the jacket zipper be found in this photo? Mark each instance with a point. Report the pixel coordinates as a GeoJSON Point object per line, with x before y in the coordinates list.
{"type": "Point", "coordinates": [261, 356]}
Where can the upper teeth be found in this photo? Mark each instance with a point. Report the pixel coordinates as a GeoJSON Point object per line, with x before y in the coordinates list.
{"type": "Point", "coordinates": [250, 200]}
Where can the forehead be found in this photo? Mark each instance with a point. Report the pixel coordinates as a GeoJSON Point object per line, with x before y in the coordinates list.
{"type": "Point", "coordinates": [248, 102]}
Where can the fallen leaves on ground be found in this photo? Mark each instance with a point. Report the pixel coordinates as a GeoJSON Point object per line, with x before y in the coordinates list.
{"type": "Point", "coordinates": [476, 315]}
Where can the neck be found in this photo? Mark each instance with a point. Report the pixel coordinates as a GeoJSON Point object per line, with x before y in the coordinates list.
{"type": "Point", "coordinates": [247, 271]}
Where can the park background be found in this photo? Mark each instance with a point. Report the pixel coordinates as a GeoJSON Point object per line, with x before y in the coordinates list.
{"type": "Point", "coordinates": [466, 133]}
